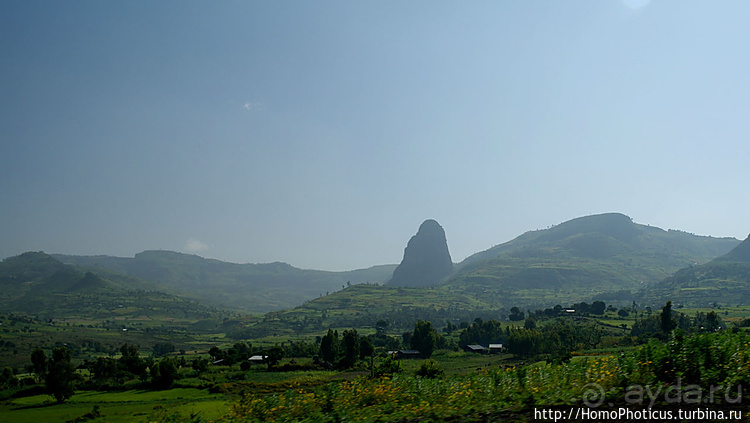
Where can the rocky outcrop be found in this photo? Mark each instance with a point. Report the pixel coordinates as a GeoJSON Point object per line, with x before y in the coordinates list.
{"type": "Point", "coordinates": [426, 258]}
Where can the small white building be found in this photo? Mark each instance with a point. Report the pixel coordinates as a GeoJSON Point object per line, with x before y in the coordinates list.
{"type": "Point", "coordinates": [259, 359]}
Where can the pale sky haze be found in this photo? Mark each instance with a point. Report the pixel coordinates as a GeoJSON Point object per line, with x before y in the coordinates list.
{"type": "Point", "coordinates": [322, 133]}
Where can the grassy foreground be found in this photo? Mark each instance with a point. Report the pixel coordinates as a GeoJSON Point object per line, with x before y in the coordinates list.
{"type": "Point", "coordinates": [704, 370]}
{"type": "Point", "coordinates": [126, 406]}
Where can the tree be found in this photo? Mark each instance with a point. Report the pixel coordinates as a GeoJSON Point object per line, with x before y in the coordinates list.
{"type": "Point", "coordinates": [216, 353]}
{"type": "Point", "coordinates": [490, 331]}
{"type": "Point", "coordinates": [131, 362]}
{"type": "Point", "coordinates": [392, 343]}
{"type": "Point", "coordinates": [424, 338]}
{"type": "Point", "coordinates": [350, 342]}
{"type": "Point", "coordinates": [516, 314]}
{"type": "Point", "coordinates": [406, 338]}
{"type": "Point", "coordinates": [39, 363]}
{"type": "Point", "coordinates": [274, 355]}
{"type": "Point", "coordinates": [667, 323]}
{"type": "Point", "coordinates": [103, 369]}
{"type": "Point", "coordinates": [200, 365]}
{"type": "Point", "coordinates": [330, 347]}
{"type": "Point", "coordinates": [524, 342]}
{"type": "Point", "coordinates": [162, 348]}
{"type": "Point", "coordinates": [366, 349]}
{"type": "Point", "coordinates": [164, 373]}
{"type": "Point", "coordinates": [61, 375]}
{"type": "Point", "coordinates": [713, 322]}
{"type": "Point", "coordinates": [598, 308]}
{"type": "Point", "coordinates": [529, 323]}
{"type": "Point", "coordinates": [8, 378]}
{"type": "Point", "coordinates": [381, 326]}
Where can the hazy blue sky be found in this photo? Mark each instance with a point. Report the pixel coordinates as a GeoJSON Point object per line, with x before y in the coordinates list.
{"type": "Point", "coordinates": [323, 133]}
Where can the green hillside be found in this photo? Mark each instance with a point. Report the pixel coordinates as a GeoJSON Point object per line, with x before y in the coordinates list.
{"type": "Point", "coordinates": [46, 303]}
{"type": "Point", "coordinates": [245, 287]}
{"type": "Point", "coordinates": [585, 257]}
{"type": "Point", "coordinates": [603, 256]}
{"type": "Point", "coordinates": [610, 236]}
{"type": "Point", "coordinates": [36, 284]}
{"type": "Point", "coordinates": [725, 281]}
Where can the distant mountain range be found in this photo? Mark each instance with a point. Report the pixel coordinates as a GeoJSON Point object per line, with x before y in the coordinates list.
{"type": "Point", "coordinates": [38, 284]}
{"type": "Point", "coordinates": [245, 287]}
{"type": "Point", "coordinates": [605, 256]}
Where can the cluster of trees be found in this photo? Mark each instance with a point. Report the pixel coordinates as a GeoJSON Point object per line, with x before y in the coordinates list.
{"type": "Point", "coordinates": [596, 308]}
{"type": "Point", "coordinates": [483, 333]}
{"type": "Point", "coordinates": [661, 325]}
{"type": "Point", "coordinates": [240, 352]}
{"type": "Point", "coordinates": [130, 365]}
{"type": "Point", "coordinates": [8, 379]}
{"type": "Point", "coordinates": [516, 314]}
{"type": "Point", "coordinates": [60, 377]}
{"type": "Point", "coordinates": [344, 352]}
{"type": "Point", "coordinates": [58, 372]}
{"type": "Point", "coordinates": [557, 338]}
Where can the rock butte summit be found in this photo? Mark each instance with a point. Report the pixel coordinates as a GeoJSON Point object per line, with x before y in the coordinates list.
{"type": "Point", "coordinates": [426, 258]}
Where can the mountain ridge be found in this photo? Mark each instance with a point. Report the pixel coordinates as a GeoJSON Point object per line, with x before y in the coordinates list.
{"type": "Point", "coordinates": [37, 283]}
{"type": "Point", "coordinates": [725, 279]}
{"type": "Point", "coordinates": [248, 287]}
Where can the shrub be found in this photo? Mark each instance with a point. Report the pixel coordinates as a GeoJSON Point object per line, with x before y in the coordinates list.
{"type": "Point", "coordinates": [429, 369]}
{"type": "Point", "coordinates": [388, 367]}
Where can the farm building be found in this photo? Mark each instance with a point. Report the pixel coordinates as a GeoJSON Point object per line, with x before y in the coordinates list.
{"type": "Point", "coordinates": [405, 354]}
{"type": "Point", "coordinates": [258, 359]}
{"type": "Point", "coordinates": [475, 348]}
{"type": "Point", "coordinates": [495, 348]}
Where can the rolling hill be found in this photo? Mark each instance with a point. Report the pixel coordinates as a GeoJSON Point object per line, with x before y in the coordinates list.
{"type": "Point", "coordinates": [724, 280]}
{"type": "Point", "coordinates": [605, 257]}
{"type": "Point", "coordinates": [36, 284]}
{"type": "Point", "coordinates": [585, 257]}
{"type": "Point", "coordinates": [245, 287]}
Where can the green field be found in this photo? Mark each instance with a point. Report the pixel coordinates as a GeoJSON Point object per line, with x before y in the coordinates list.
{"type": "Point", "coordinates": [127, 406]}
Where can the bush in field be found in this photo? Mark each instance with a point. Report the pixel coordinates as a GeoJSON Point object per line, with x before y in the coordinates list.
{"type": "Point", "coordinates": [429, 369]}
{"type": "Point", "coordinates": [388, 367]}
